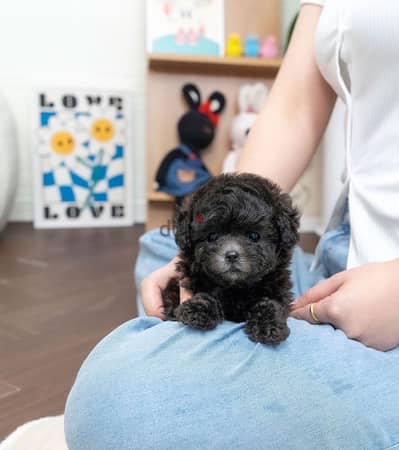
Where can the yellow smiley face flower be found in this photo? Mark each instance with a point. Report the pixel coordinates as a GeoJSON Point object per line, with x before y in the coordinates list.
{"type": "Point", "coordinates": [61, 141]}
{"type": "Point", "coordinates": [102, 130]}
{"type": "Point", "coordinates": [106, 130]}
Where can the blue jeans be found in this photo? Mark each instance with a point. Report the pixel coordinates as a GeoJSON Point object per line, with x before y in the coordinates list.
{"type": "Point", "coordinates": [161, 385]}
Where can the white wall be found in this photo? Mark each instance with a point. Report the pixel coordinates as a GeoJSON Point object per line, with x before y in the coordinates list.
{"type": "Point", "coordinates": [77, 43]}
{"type": "Point", "coordinates": [289, 9]}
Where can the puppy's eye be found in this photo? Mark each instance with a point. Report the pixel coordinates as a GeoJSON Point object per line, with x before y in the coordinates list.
{"type": "Point", "coordinates": [212, 237]}
{"type": "Point", "coordinates": [253, 236]}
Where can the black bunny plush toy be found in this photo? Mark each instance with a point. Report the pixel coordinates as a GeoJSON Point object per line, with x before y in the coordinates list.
{"type": "Point", "coordinates": [182, 171]}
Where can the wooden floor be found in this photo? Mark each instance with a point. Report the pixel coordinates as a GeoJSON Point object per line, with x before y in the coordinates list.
{"type": "Point", "coordinates": [60, 293]}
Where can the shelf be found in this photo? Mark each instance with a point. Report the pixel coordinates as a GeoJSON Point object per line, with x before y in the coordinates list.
{"type": "Point", "coordinates": [227, 66]}
{"type": "Point", "coordinates": [160, 197]}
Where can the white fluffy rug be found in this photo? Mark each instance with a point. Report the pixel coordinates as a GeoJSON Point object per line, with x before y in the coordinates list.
{"type": "Point", "coordinates": [41, 434]}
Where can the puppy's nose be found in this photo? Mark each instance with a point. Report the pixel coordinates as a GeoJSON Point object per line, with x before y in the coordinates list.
{"type": "Point", "coordinates": [231, 255]}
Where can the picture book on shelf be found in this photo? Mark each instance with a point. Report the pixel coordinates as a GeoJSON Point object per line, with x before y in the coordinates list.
{"type": "Point", "coordinates": [194, 27]}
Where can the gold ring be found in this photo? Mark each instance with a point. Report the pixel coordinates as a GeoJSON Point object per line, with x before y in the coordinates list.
{"type": "Point", "coordinates": [312, 313]}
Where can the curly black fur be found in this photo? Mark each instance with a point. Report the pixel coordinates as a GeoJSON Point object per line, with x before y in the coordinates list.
{"type": "Point", "coordinates": [236, 235]}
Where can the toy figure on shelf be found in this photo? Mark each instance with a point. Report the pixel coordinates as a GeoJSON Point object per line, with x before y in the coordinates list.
{"type": "Point", "coordinates": [250, 101]}
{"type": "Point", "coordinates": [269, 48]}
{"type": "Point", "coordinates": [252, 46]}
{"type": "Point", "coordinates": [182, 170]}
{"type": "Point", "coordinates": [234, 45]}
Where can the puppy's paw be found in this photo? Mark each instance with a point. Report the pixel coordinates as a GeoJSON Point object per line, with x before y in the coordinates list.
{"type": "Point", "coordinates": [201, 311]}
{"type": "Point", "coordinates": [267, 322]}
{"type": "Point", "coordinates": [267, 333]}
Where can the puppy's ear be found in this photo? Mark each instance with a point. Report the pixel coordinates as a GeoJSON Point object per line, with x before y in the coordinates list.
{"type": "Point", "coordinates": [182, 223]}
{"type": "Point", "coordinates": [287, 218]}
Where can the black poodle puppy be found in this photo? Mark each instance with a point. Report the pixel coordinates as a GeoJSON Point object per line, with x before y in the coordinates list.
{"type": "Point", "coordinates": [236, 235]}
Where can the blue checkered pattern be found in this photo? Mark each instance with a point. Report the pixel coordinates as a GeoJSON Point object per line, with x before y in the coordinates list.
{"type": "Point", "coordinates": [86, 182]}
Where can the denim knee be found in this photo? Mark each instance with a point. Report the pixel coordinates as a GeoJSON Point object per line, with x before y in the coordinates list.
{"type": "Point", "coordinates": [160, 385]}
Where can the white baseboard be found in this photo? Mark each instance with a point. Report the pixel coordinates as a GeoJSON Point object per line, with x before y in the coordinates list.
{"type": "Point", "coordinates": [140, 211]}
{"type": "Point", "coordinates": [311, 224]}
{"type": "Point", "coordinates": [22, 211]}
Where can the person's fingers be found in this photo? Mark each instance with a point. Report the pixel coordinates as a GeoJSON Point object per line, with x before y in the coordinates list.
{"type": "Point", "coordinates": [153, 285]}
{"type": "Point", "coordinates": [320, 291]}
{"type": "Point", "coordinates": [318, 314]}
{"type": "Point", "coordinates": [152, 298]}
{"type": "Point", "coordinates": [185, 294]}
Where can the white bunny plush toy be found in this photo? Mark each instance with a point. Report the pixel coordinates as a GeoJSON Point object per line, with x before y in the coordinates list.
{"type": "Point", "coordinates": [251, 99]}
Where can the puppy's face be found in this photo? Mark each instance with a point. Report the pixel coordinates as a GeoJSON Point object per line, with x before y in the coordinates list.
{"type": "Point", "coordinates": [236, 243]}
{"type": "Point", "coordinates": [235, 228]}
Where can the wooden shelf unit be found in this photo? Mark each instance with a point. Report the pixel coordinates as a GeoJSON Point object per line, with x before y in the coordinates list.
{"type": "Point", "coordinates": [160, 197]}
{"type": "Point", "coordinates": [226, 66]}
{"type": "Point", "coordinates": [168, 73]}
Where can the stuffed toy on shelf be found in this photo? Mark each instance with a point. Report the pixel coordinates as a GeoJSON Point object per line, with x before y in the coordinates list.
{"type": "Point", "coordinates": [269, 49]}
{"type": "Point", "coordinates": [251, 99]}
{"type": "Point", "coordinates": [182, 170]}
{"type": "Point", "coordinates": [252, 46]}
{"type": "Point", "coordinates": [234, 46]}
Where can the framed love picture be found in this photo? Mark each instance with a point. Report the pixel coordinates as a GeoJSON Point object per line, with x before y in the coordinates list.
{"type": "Point", "coordinates": [194, 27]}
{"type": "Point", "coordinates": [82, 158]}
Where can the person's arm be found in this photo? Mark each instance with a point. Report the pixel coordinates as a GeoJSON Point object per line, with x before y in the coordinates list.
{"type": "Point", "coordinates": [287, 132]}
{"type": "Point", "coordinates": [285, 136]}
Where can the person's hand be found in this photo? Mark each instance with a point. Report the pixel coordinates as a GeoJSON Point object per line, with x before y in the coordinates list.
{"type": "Point", "coordinates": [153, 284]}
{"type": "Point", "coordinates": [362, 302]}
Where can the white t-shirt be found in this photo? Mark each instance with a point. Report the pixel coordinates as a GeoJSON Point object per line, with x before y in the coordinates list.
{"type": "Point", "coordinates": [357, 53]}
